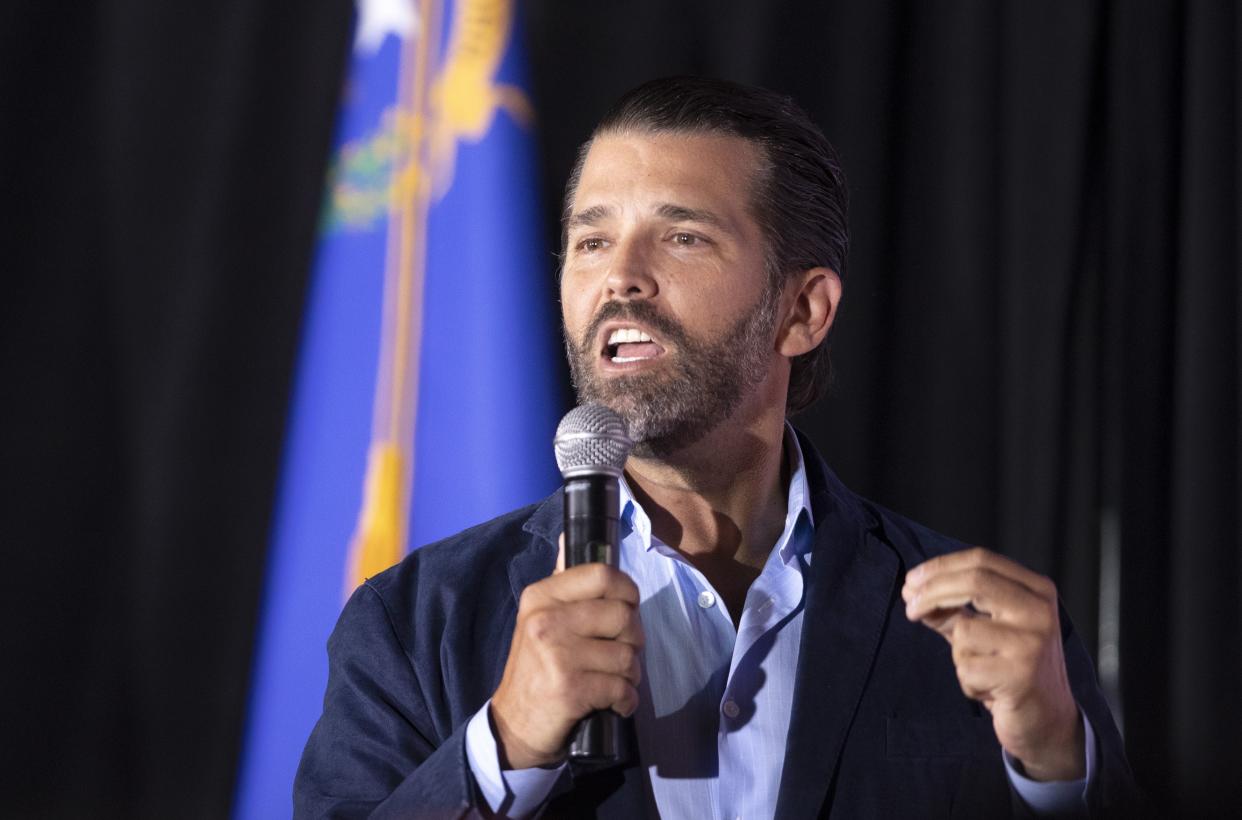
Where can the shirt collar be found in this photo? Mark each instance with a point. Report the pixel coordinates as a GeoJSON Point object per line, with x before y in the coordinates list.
{"type": "Point", "coordinates": [798, 503]}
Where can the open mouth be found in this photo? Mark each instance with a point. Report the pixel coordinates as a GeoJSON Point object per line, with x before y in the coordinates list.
{"type": "Point", "coordinates": [628, 345]}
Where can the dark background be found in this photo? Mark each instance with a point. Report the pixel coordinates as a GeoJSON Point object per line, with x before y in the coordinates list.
{"type": "Point", "coordinates": [1039, 348]}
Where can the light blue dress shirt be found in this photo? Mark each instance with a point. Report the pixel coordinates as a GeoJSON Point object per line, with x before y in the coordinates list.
{"type": "Point", "coordinates": [714, 702]}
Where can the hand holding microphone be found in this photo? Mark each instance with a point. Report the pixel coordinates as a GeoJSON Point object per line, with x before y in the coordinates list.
{"type": "Point", "coordinates": [573, 667]}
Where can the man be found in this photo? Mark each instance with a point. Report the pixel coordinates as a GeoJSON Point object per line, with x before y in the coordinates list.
{"type": "Point", "coordinates": [784, 647]}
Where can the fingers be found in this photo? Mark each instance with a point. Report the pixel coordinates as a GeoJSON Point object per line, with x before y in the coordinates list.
{"type": "Point", "coordinates": [988, 591]}
{"type": "Point", "coordinates": [980, 675]}
{"type": "Point", "coordinates": [608, 658]}
{"type": "Point", "coordinates": [997, 661]}
{"type": "Point", "coordinates": [989, 583]}
{"type": "Point", "coordinates": [974, 636]}
{"type": "Point", "coordinates": [979, 558]}
{"type": "Point", "coordinates": [586, 581]}
{"type": "Point", "coordinates": [571, 657]}
{"type": "Point", "coordinates": [601, 691]}
{"type": "Point", "coordinates": [1002, 624]}
{"type": "Point", "coordinates": [605, 618]}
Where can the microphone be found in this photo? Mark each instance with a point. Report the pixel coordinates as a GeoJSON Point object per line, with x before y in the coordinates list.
{"type": "Point", "coordinates": [591, 448]}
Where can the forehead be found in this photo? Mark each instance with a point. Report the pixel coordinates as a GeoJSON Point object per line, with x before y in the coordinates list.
{"type": "Point", "coordinates": [644, 168]}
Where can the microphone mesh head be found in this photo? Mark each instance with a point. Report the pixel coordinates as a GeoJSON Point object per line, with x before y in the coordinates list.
{"type": "Point", "coordinates": [591, 439]}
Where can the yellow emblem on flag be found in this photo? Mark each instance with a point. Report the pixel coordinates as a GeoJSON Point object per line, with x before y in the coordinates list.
{"type": "Point", "coordinates": [430, 118]}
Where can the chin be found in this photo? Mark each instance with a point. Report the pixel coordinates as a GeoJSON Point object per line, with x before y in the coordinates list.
{"type": "Point", "coordinates": [672, 437]}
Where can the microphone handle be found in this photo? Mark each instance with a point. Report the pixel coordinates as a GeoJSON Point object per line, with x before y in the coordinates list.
{"type": "Point", "coordinates": [591, 535]}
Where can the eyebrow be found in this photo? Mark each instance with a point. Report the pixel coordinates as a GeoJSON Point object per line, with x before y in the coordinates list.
{"type": "Point", "coordinates": [590, 216]}
{"type": "Point", "coordinates": [680, 213]}
{"type": "Point", "coordinates": [667, 210]}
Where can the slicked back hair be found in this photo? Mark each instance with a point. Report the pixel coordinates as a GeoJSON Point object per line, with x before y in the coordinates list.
{"type": "Point", "coordinates": [799, 196]}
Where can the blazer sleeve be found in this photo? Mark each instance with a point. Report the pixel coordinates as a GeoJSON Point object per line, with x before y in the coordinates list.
{"type": "Point", "coordinates": [1112, 791]}
{"type": "Point", "coordinates": [375, 751]}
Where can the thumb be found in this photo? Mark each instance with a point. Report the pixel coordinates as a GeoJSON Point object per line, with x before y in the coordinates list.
{"type": "Point", "coordinates": [560, 556]}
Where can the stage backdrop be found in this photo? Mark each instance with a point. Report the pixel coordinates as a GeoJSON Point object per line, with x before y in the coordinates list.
{"type": "Point", "coordinates": [428, 386]}
{"type": "Point", "coordinates": [1038, 348]}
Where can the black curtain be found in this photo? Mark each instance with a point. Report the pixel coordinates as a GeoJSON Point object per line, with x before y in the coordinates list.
{"type": "Point", "coordinates": [163, 165]}
{"type": "Point", "coordinates": [1038, 350]}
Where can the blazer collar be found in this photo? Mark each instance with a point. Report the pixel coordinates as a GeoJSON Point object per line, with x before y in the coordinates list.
{"type": "Point", "coordinates": [539, 559]}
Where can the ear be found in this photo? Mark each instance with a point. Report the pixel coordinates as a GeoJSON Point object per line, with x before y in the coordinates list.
{"type": "Point", "coordinates": [811, 311]}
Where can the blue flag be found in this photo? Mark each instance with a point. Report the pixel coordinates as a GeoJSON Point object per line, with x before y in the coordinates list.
{"type": "Point", "coordinates": [427, 393]}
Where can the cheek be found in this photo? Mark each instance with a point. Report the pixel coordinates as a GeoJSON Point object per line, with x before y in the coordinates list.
{"type": "Point", "coordinates": [575, 313]}
{"type": "Point", "coordinates": [710, 314]}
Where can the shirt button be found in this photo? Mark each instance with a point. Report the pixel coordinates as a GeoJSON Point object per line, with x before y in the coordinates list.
{"type": "Point", "coordinates": [730, 709]}
{"type": "Point", "coordinates": [706, 599]}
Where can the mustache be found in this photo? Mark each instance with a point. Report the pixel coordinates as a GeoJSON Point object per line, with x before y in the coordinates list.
{"type": "Point", "coordinates": [643, 312]}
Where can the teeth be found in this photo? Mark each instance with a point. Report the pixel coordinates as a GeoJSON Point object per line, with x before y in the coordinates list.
{"type": "Point", "coordinates": [623, 335]}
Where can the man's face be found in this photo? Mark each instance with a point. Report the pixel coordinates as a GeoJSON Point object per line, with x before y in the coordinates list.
{"type": "Point", "coordinates": [668, 315]}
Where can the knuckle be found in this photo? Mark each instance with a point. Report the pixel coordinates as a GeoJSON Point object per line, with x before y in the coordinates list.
{"type": "Point", "coordinates": [617, 584]}
{"type": "Point", "coordinates": [630, 704]}
{"type": "Point", "coordinates": [635, 629]}
{"type": "Point", "coordinates": [595, 693]}
{"type": "Point", "coordinates": [1026, 668]}
{"type": "Point", "coordinates": [540, 626]}
{"type": "Point", "coordinates": [960, 630]}
{"type": "Point", "coordinates": [598, 574]}
{"type": "Point", "coordinates": [1044, 621]}
{"type": "Point", "coordinates": [557, 681]}
{"type": "Point", "coordinates": [619, 613]}
{"type": "Point", "coordinates": [620, 690]}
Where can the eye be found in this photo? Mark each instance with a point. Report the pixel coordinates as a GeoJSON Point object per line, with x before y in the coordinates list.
{"type": "Point", "coordinates": [687, 240]}
{"type": "Point", "coordinates": [590, 244]}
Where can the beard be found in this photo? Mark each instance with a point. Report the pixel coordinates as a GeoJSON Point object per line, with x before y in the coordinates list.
{"type": "Point", "coordinates": [699, 386]}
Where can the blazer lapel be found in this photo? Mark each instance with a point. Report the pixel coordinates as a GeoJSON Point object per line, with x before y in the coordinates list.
{"type": "Point", "coordinates": [851, 581]}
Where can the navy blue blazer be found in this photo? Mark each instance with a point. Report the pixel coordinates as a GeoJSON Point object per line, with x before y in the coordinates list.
{"type": "Point", "coordinates": [879, 727]}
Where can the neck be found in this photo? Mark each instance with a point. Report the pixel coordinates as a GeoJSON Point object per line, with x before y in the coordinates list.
{"type": "Point", "coordinates": [721, 501]}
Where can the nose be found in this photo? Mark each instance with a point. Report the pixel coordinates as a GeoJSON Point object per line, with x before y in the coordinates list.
{"type": "Point", "coordinates": [630, 275]}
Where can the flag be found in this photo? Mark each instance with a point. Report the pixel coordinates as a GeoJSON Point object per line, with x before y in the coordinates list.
{"type": "Point", "coordinates": [427, 392]}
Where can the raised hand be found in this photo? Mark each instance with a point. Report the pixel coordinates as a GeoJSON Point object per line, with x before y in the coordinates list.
{"type": "Point", "coordinates": [1001, 621]}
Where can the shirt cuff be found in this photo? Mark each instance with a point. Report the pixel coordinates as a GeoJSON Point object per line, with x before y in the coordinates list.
{"type": "Point", "coordinates": [1055, 797]}
{"type": "Point", "coordinates": [516, 793]}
